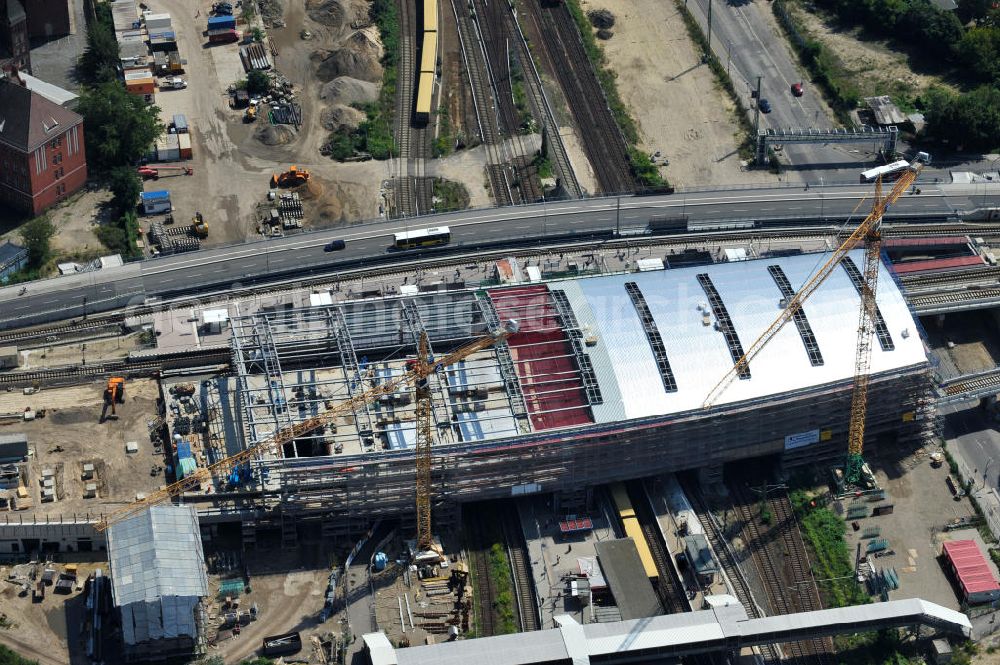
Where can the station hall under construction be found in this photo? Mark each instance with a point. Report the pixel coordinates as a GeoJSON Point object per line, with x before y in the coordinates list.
{"type": "Point", "coordinates": [607, 377]}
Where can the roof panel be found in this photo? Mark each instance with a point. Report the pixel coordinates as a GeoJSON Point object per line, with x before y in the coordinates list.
{"type": "Point", "coordinates": [699, 355]}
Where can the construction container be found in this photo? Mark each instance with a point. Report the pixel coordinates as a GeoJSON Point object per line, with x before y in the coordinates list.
{"type": "Point", "coordinates": [154, 21]}
{"type": "Point", "coordinates": [184, 145]}
{"type": "Point", "coordinates": [223, 36]}
{"type": "Point", "coordinates": [180, 123]}
{"type": "Point", "coordinates": [174, 62]}
{"type": "Point", "coordinates": [160, 63]}
{"type": "Point", "coordinates": [140, 81]}
{"type": "Point", "coordinates": [155, 202]}
{"type": "Point", "coordinates": [221, 23]}
{"type": "Point", "coordinates": [168, 148]}
{"type": "Point", "coordinates": [163, 44]}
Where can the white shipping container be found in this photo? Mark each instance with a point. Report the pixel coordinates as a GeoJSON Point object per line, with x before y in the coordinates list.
{"type": "Point", "coordinates": [157, 21]}
{"type": "Point", "coordinates": [168, 149]}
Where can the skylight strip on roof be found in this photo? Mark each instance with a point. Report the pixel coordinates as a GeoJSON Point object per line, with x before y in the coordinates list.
{"type": "Point", "coordinates": [800, 319]}
{"type": "Point", "coordinates": [881, 330]}
{"type": "Point", "coordinates": [653, 335]}
{"type": "Point", "coordinates": [725, 324]}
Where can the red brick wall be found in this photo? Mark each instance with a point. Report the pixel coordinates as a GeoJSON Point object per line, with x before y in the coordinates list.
{"type": "Point", "coordinates": [58, 168]}
{"type": "Point", "coordinates": [51, 173]}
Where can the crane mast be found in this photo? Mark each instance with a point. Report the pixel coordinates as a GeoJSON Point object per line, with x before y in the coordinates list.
{"type": "Point", "coordinates": [853, 469]}
{"type": "Point", "coordinates": [868, 233]}
{"type": "Point", "coordinates": [417, 374]}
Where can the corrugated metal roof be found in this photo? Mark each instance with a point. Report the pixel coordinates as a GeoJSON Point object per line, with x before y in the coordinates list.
{"type": "Point", "coordinates": [974, 573]}
{"type": "Point", "coordinates": [698, 354]}
{"type": "Point", "coordinates": [937, 264]}
{"type": "Point", "coordinates": [157, 572]}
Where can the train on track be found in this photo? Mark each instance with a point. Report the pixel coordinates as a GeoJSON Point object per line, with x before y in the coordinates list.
{"type": "Point", "coordinates": [630, 524]}
{"type": "Point", "coordinates": [428, 62]}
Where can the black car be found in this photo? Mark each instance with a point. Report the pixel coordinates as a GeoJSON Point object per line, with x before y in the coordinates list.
{"type": "Point", "coordinates": [334, 246]}
{"type": "Point", "coordinates": [765, 106]}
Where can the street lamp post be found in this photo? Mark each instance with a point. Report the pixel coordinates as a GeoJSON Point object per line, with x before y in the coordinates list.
{"type": "Point", "coordinates": [822, 200]}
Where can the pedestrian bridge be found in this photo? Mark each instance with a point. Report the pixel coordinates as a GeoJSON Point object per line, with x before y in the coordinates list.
{"type": "Point", "coordinates": [722, 629]}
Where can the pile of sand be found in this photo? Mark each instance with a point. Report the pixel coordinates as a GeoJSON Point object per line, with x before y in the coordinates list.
{"type": "Point", "coordinates": [357, 58]}
{"type": "Point", "coordinates": [346, 90]}
{"type": "Point", "coordinates": [326, 12]}
{"type": "Point", "coordinates": [274, 134]}
{"type": "Point", "coordinates": [339, 117]}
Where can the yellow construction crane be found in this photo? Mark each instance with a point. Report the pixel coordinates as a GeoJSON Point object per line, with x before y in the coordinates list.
{"type": "Point", "coordinates": [868, 232]}
{"type": "Point", "coordinates": [417, 374]}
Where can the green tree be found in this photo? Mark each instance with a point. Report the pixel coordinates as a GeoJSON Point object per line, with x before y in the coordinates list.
{"type": "Point", "coordinates": [120, 126]}
{"type": "Point", "coordinates": [938, 30]}
{"type": "Point", "coordinates": [979, 49]}
{"type": "Point", "coordinates": [126, 186]}
{"type": "Point", "coordinates": [8, 657]}
{"type": "Point", "coordinates": [969, 121]}
{"type": "Point", "coordinates": [37, 236]}
{"type": "Point", "coordinates": [99, 62]}
{"type": "Point", "coordinates": [258, 83]}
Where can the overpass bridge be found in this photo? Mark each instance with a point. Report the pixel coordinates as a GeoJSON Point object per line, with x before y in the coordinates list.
{"type": "Point", "coordinates": [720, 630]}
{"type": "Point", "coordinates": [473, 231]}
{"type": "Point", "coordinates": [969, 387]}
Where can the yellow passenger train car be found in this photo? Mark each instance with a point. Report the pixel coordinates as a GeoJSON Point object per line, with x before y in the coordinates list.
{"type": "Point", "coordinates": [630, 524]}
{"type": "Point", "coordinates": [430, 15]}
{"type": "Point", "coordinates": [425, 96]}
{"type": "Point", "coordinates": [428, 54]}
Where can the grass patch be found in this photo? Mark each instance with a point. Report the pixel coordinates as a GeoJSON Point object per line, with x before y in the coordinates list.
{"type": "Point", "coordinates": [503, 603]}
{"type": "Point", "coordinates": [832, 559]}
{"type": "Point", "coordinates": [642, 167]}
{"type": "Point", "coordinates": [373, 137]}
{"type": "Point", "coordinates": [543, 165]}
{"type": "Point", "coordinates": [450, 196]}
{"type": "Point", "coordinates": [444, 144]}
{"type": "Point", "coordinates": [520, 95]}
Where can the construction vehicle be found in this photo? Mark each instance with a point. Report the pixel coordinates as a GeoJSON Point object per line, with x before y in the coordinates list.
{"type": "Point", "coordinates": [199, 225]}
{"type": "Point", "coordinates": [869, 234]}
{"type": "Point", "coordinates": [114, 393]}
{"type": "Point", "coordinates": [250, 115]}
{"type": "Point", "coordinates": [290, 178]}
{"type": "Point", "coordinates": [417, 373]}
{"type": "Point", "coordinates": [154, 172]}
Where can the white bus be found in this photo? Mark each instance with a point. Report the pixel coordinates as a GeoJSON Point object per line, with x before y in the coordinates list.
{"type": "Point", "coordinates": [888, 172]}
{"type": "Point", "coordinates": [438, 235]}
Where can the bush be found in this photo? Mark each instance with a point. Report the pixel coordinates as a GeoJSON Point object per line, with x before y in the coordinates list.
{"type": "Point", "coordinates": [258, 83]}
{"type": "Point", "coordinates": [37, 236]}
{"type": "Point", "coordinates": [8, 657]}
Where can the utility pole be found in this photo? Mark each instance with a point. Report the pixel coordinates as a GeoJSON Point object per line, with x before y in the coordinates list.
{"type": "Point", "coordinates": [710, 27]}
{"type": "Point", "coordinates": [756, 115]}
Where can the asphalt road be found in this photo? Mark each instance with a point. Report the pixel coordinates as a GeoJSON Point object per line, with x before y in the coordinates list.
{"type": "Point", "coordinates": [367, 244]}
{"type": "Point", "coordinates": [976, 441]}
{"type": "Point", "coordinates": [745, 41]}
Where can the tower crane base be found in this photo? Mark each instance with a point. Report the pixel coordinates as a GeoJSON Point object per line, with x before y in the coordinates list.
{"type": "Point", "coordinates": [864, 484]}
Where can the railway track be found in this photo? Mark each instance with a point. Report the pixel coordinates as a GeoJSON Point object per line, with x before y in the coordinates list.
{"type": "Point", "coordinates": [484, 588]}
{"type": "Point", "coordinates": [414, 192]}
{"type": "Point", "coordinates": [602, 139]}
{"type": "Point", "coordinates": [762, 552]}
{"type": "Point", "coordinates": [668, 586]}
{"type": "Point", "coordinates": [970, 295]}
{"type": "Point", "coordinates": [474, 58]}
{"type": "Point", "coordinates": [64, 333]}
{"type": "Point", "coordinates": [973, 384]}
{"type": "Point", "coordinates": [727, 560]}
{"type": "Point", "coordinates": [527, 608]}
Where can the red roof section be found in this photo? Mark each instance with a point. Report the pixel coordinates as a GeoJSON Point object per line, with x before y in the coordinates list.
{"type": "Point", "coordinates": [543, 358]}
{"type": "Point", "coordinates": [924, 241]}
{"type": "Point", "coordinates": [974, 573]}
{"type": "Point", "coordinates": [937, 264]}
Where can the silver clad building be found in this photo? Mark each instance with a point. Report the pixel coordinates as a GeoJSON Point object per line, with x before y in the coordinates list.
{"type": "Point", "coordinates": [158, 582]}
{"type": "Point", "coordinates": [606, 380]}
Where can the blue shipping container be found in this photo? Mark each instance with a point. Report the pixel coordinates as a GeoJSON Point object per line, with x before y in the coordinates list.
{"type": "Point", "coordinates": [221, 22]}
{"type": "Point", "coordinates": [184, 450]}
{"type": "Point", "coordinates": [158, 195]}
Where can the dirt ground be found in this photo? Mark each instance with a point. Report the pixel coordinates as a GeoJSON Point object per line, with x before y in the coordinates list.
{"type": "Point", "coordinates": [915, 529]}
{"type": "Point", "coordinates": [976, 347]}
{"type": "Point", "coordinates": [47, 631]}
{"type": "Point", "coordinates": [874, 67]}
{"type": "Point", "coordinates": [71, 434]}
{"type": "Point", "coordinates": [673, 98]}
{"type": "Point", "coordinates": [95, 350]}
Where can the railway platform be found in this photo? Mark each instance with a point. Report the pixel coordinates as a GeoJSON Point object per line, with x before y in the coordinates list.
{"type": "Point", "coordinates": [554, 556]}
